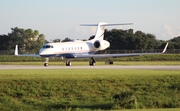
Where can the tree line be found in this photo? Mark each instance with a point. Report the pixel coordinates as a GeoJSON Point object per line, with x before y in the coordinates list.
{"type": "Point", "coordinates": [129, 40]}
{"type": "Point", "coordinates": [31, 40]}
{"type": "Point", "coordinates": [27, 39]}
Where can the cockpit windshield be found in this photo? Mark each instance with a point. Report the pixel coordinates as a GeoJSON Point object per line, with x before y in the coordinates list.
{"type": "Point", "coordinates": [47, 46]}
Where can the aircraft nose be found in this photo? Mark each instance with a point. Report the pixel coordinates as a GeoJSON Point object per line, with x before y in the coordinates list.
{"type": "Point", "coordinates": [41, 52]}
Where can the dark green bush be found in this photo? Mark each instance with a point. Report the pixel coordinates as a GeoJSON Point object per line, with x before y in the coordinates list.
{"type": "Point", "coordinates": [125, 100]}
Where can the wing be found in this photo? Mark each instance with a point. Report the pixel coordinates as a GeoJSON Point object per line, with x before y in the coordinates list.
{"type": "Point", "coordinates": [29, 55]}
{"type": "Point", "coordinates": [118, 55]}
{"type": "Point", "coordinates": [112, 55]}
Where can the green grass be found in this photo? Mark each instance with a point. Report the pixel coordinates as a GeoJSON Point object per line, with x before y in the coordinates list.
{"type": "Point", "coordinates": [165, 109]}
{"type": "Point", "coordinates": [88, 89]}
{"type": "Point", "coordinates": [79, 63]}
{"type": "Point", "coordinates": [157, 57]}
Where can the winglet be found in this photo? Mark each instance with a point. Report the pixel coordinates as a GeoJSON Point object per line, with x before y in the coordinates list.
{"type": "Point", "coordinates": [165, 48]}
{"type": "Point", "coordinates": [16, 50]}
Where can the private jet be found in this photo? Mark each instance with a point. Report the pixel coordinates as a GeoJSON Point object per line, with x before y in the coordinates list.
{"type": "Point", "coordinates": [82, 49]}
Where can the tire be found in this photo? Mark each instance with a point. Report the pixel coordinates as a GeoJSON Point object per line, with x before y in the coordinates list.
{"type": "Point", "coordinates": [91, 63]}
{"type": "Point", "coordinates": [68, 63]}
{"type": "Point", "coordinates": [45, 64]}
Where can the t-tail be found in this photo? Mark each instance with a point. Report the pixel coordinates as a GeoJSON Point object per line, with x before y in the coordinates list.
{"type": "Point", "coordinates": [101, 28]}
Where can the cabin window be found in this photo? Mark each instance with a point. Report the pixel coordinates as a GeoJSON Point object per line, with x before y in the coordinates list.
{"type": "Point", "coordinates": [62, 48]}
{"type": "Point", "coordinates": [81, 48]}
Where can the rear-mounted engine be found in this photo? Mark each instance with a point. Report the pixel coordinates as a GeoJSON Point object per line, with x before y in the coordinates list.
{"type": "Point", "coordinates": [101, 44]}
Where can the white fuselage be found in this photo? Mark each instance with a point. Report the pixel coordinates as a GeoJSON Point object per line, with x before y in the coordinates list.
{"type": "Point", "coordinates": [69, 49]}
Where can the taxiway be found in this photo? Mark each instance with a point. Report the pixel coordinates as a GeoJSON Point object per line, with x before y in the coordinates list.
{"type": "Point", "coordinates": [90, 67]}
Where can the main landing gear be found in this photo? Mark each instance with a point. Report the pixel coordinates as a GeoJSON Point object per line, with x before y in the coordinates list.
{"type": "Point", "coordinates": [92, 62]}
{"type": "Point", "coordinates": [108, 62]}
{"type": "Point", "coordinates": [68, 62]}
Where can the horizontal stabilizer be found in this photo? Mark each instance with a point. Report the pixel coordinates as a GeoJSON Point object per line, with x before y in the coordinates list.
{"type": "Point", "coordinates": [106, 24]}
{"type": "Point", "coordinates": [101, 27]}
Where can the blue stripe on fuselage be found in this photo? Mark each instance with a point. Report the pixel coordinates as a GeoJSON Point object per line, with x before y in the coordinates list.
{"type": "Point", "coordinates": [67, 55]}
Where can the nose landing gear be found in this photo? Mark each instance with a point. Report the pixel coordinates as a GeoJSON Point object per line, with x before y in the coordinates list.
{"type": "Point", "coordinates": [46, 62]}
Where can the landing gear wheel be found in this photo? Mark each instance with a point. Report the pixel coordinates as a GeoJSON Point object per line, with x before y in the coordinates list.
{"type": "Point", "coordinates": [92, 62]}
{"type": "Point", "coordinates": [68, 63]}
{"type": "Point", "coordinates": [45, 64]}
{"type": "Point", "coordinates": [109, 62]}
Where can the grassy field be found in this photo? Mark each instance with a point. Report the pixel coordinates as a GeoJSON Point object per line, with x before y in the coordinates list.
{"type": "Point", "coordinates": [157, 57]}
{"type": "Point", "coordinates": [87, 89]}
{"type": "Point", "coordinates": [164, 109]}
{"type": "Point", "coordinates": [78, 63]}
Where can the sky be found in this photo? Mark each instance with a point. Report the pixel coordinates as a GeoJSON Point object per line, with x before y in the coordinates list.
{"type": "Point", "coordinates": [58, 19]}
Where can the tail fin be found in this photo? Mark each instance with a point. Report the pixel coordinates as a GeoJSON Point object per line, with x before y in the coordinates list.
{"type": "Point", "coordinates": [100, 31]}
{"type": "Point", "coordinates": [101, 28]}
{"type": "Point", "coordinates": [16, 50]}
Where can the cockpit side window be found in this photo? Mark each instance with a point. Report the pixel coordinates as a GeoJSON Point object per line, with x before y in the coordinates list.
{"type": "Point", "coordinates": [47, 46]}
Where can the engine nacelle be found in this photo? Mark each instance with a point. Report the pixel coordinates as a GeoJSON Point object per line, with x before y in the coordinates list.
{"type": "Point", "coordinates": [101, 44]}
